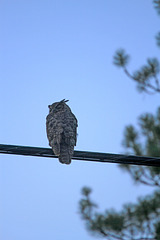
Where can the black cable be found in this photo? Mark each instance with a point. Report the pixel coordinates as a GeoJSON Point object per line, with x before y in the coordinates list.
{"type": "Point", "coordinates": [82, 155]}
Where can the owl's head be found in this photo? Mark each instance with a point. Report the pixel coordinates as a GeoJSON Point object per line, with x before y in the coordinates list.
{"type": "Point", "coordinates": [57, 106]}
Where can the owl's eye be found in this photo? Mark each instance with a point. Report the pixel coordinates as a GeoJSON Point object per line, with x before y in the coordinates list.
{"type": "Point", "coordinates": [59, 106]}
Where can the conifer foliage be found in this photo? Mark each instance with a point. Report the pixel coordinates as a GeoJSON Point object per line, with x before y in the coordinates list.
{"type": "Point", "coordinates": [147, 76]}
{"type": "Point", "coordinates": [141, 220]}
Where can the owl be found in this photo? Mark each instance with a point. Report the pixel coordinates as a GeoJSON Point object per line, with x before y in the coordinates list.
{"type": "Point", "coordinates": [61, 127]}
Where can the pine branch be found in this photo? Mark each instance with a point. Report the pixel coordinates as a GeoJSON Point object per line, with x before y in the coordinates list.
{"type": "Point", "coordinates": [137, 219]}
{"type": "Point", "coordinates": [144, 76]}
{"type": "Point", "coordinates": [158, 39]}
{"type": "Point", "coordinates": [157, 5]}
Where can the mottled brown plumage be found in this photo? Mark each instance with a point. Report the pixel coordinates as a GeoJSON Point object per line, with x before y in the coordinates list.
{"type": "Point", "coordinates": [61, 126]}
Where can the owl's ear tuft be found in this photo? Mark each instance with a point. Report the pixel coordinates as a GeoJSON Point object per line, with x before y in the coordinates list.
{"type": "Point", "coordinates": [64, 100]}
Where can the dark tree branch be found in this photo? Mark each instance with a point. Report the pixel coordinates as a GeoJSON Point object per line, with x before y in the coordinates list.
{"type": "Point", "coordinates": [146, 85]}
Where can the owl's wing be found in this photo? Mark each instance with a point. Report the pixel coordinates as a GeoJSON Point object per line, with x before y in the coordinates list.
{"type": "Point", "coordinates": [54, 133]}
{"type": "Point", "coordinates": [70, 131]}
{"type": "Point", "coordinates": [75, 125]}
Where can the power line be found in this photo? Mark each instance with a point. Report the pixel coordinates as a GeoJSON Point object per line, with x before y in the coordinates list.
{"type": "Point", "coordinates": [82, 155]}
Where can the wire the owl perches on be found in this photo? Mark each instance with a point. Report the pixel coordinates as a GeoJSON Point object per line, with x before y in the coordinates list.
{"type": "Point", "coordinates": [61, 127]}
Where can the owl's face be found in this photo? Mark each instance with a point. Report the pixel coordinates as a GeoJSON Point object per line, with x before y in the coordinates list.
{"type": "Point", "coordinates": [57, 106]}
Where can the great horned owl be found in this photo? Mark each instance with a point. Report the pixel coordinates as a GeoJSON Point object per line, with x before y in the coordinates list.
{"type": "Point", "coordinates": [61, 126]}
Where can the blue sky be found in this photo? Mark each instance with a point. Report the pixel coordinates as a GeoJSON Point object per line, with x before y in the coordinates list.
{"type": "Point", "coordinates": [58, 49]}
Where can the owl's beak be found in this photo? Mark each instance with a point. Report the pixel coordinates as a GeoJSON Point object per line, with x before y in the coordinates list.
{"type": "Point", "coordinates": [49, 106]}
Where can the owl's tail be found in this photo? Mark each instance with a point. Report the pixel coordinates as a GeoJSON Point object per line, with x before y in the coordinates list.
{"type": "Point", "coordinates": [66, 154]}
